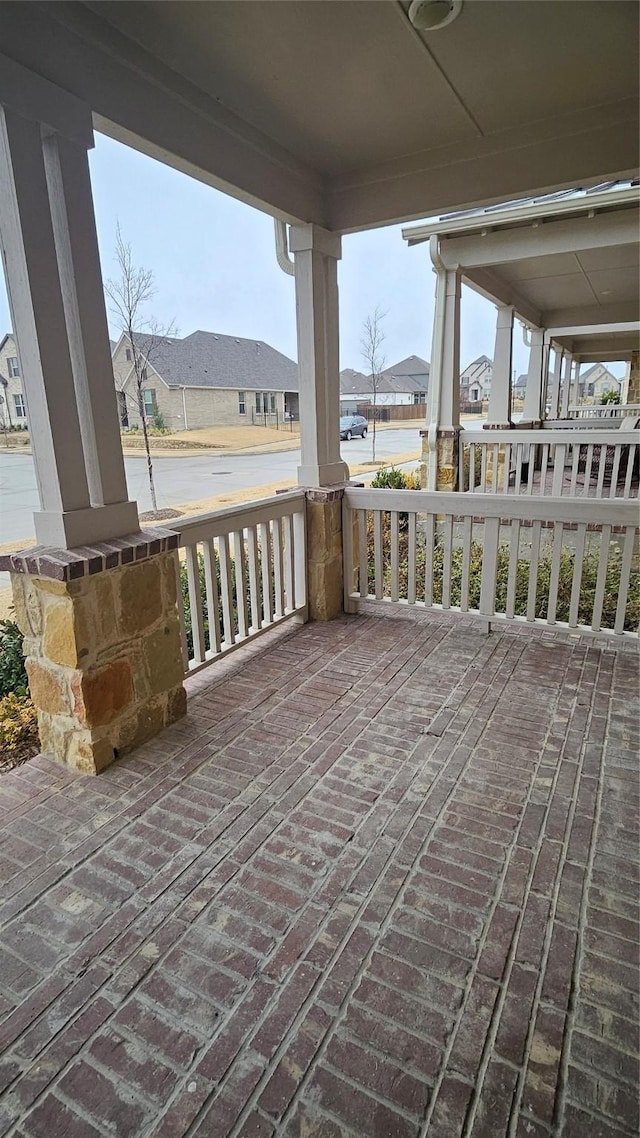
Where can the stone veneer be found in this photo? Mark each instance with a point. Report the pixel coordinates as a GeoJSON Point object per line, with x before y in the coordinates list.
{"type": "Point", "coordinates": [448, 442]}
{"type": "Point", "coordinates": [102, 644]}
{"type": "Point", "coordinates": [633, 393]}
{"type": "Point", "coordinates": [325, 591]}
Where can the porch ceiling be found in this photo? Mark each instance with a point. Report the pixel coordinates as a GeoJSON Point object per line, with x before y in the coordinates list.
{"type": "Point", "coordinates": [343, 113]}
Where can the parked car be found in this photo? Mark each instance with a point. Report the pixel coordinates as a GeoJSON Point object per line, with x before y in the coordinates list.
{"type": "Point", "coordinates": [351, 425]}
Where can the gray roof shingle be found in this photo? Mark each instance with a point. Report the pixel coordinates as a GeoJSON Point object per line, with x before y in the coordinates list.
{"type": "Point", "coordinates": [209, 359]}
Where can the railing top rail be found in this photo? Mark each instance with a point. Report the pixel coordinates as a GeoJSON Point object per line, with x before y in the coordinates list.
{"type": "Point", "coordinates": [230, 518]}
{"type": "Point", "coordinates": [593, 511]}
{"type": "Point", "coordinates": [571, 435]}
{"type": "Point", "coordinates": [611, 408]}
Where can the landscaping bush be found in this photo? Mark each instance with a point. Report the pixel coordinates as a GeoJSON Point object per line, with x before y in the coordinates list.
{"type": "Point", "coordinates": [13, 677]}
{"type": "Point", "coordinates": [18, 724]}
{"type": "Point", "coordinates": [184, 586]}
{"type": "Point", "coordinates": [390, 478]}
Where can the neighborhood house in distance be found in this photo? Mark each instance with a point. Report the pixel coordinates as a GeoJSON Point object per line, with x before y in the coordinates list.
{"type": "Point", "coordinates": [205, 380]}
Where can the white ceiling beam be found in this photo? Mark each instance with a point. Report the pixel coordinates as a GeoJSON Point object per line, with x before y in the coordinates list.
{"type": "Point", "coordinates": [141, 102]}
{"type": "Point", "coordinates": [587, 315]}
{"type": "Point", "coordinates": [627, 326]}
{"type": "Point", "coordinates": [504, 246]}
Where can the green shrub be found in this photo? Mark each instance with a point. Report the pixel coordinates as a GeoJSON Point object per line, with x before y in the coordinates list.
{"type": "Point", "coordinates": [610, 396]}
{"type": "Point", "coordinates": [158, 422]}
{"type": "Point", "coordinates": [565, 583]}
{"type": "Point", "coordinates": [390, 478]}
{"type": "Point", "coordinates": [18, 723]}
{"type": "Point", "coordinates": [13, 676]}
{"type": "Point", "coordinates": [184, 586]}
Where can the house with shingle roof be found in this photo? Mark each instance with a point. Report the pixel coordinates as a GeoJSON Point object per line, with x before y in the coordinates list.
{"type": "Point", "coordinates": [404, 383]}
{"type": "Point", "coordinates": [206, 379]}
{"type": "Point", "coordinates": [475, 380]}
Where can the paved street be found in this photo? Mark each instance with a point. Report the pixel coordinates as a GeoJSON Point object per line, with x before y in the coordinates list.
{"type": "Point", "coordinates": [183, 479]}
{"type": "Point", "coordinates": [381, 882]}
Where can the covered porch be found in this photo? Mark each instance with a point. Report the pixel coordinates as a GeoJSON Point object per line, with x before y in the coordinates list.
{"type": "Point", "coordinates": [380, 880]}
{"type": "Point", "coordinates": [340, 874]}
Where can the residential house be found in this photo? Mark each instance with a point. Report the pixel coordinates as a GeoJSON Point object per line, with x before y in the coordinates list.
{"type": "Point", "coordinates": [475, 380]}
{"type": "Point", "coordinates": [519, 388]}
{"type": "Point", "coordinates": [403, 384]}
{"type": "Point", "coordinates": [597, 380]}
{"type": "Point", "coordinates": [204, 380]}
{"type": "Point", "coordinates": [13, 410]}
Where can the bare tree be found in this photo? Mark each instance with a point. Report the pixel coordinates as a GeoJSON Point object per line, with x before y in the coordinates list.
{"type": "Point", "coordinates": [371, 343]}
{"type": "Point", "coordinates": [130, 294]}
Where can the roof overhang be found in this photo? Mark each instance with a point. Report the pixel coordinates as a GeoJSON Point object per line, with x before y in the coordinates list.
{"type": "Point", "coordinates": [344, 114]}
{"type": "Point", "coordinates": [599, 343]}
{"type": "Point", "coordinates": [558, 263]}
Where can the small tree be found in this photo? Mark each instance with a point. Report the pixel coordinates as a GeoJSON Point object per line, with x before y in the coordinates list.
{"type": "Point", "coordinates": [371, 346]}
{"type": "Point", "coordinates": [130, 294]}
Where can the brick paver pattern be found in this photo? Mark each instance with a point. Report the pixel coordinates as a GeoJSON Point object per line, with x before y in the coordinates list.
{"type": "Point", "coordinates": [382, 882]}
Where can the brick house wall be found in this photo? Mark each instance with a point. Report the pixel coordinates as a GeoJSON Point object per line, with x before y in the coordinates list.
{"type": "Point", "coordinates": [9, 410]}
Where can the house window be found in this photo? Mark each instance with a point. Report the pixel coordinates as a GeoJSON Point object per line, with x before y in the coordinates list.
{"type": "Point", "coordinates": [143, 374]}
{"type": "Point", "coordinates": [21, 410]}
{"type": "Point", "coordinates": [128, 354]}
{"type": "Point", "coordinates": [258, 402]}
{"type": "Point", "coordinates": [242, 405]}
{"type": "Point", "coordinates": [273, 403]}
{"type": "Point", "coordinates": [149, 403]}
{"type": "Point", "coordinates": [419, 397]}
{"type": "Point", "coordinates": [12, 364]}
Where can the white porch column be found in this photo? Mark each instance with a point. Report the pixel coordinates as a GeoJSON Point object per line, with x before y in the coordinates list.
{"type": "Point", "coordinates": [499, 414]}
{"type": "Point", "coordinates": [440, 440]}
{"type": "Point", "coordinates": [554, 397]}
{"type": "Point", "coordinates": [48, 237]}
{"type": "Point", "coordinates": [316, 255]}
{"type": "Point", "coordinates": [533, 409]}
{"type": "Point", "coordinates": [566, 387]}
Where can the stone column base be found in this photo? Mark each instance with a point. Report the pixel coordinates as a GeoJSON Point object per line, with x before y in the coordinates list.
{"type": "Point", "coordinates": [448, 451]}
{"type": "Point", "coordinates": [633, 390]}
{"type": "Point", "coordinates": [102, 645]}
{"type": "Point", "coordinates": [325, 580]}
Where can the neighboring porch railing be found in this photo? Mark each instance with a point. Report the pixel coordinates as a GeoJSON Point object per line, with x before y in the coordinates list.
{"type": "Point", "coordinates": [605, 411]}
{"type": "Point", "coordinates": [242, 571]}
{"type": "Point", "coordinates": [563, 463]}
{"type": "Point", "coordinates": [563, 562]}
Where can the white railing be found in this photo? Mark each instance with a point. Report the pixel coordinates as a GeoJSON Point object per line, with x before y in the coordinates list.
{"type": "Point", "coordinates": [605, 411]}
{"type": "Point", "coordinates": [564, 463]}
{"type": "Point", "coordinates": [242, 571]}
{"type": "Point", "coordinates": [562, 562]}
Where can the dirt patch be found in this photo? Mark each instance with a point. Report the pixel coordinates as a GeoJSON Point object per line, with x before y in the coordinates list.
{"type": "Point", "coordinates": [213, 438]}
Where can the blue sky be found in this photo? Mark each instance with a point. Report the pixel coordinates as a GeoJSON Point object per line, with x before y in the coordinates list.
{"type": "Point", "coordinates": [214, 266]}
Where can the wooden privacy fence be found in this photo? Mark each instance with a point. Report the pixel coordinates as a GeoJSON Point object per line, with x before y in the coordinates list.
{"type": "Point", "coordinates": [571, 463]}
{"type": "Point", "coordinates": [557, 562]}
{"type": "Point", "coordinates": [242, 571]}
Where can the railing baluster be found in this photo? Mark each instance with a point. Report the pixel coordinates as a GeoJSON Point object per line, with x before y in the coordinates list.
{"type": "Point", "coordinates": [411, 560]}
{"type": "Point", "coordinates": [288, 564]}
{"type": "Point", "coordinates": [195, 603]}
{"type": "Point", "coordinates": [496, 468]}
{"type": "Point", "coordinates": [226, 590]}
{"type": "Point", "coordinates": [395, 553]}
{"type": "Point", "coordinates": [252, 557]}
{"type": "Point", "coordinates": [532, 468]}
{"type": "Point", "coordinates": [466, 562]}
{"type": "Point", "coordinates": [518, 474]}
{"type": "Point", "coordinates": [348, 558]}
{"type": "Point", "coordinates": [543, 470]}
{"type": "Point", "coordinates": [617, 455]}
{"type": "Point", "coordinates": [534, 561]}
{"type": "Point", "coordinates": [472, 466]}
{"type": "Point", "coordinates": [576, 583]}
{"type": "Point", "coordinates": [300, 559]}
{"type": "Point", "coordinates": [430, 524]}
{"type": "Point", "coordinates": [211, 592]}
{"type": "Point", "coordinates": [491, 539]}
{"type": "Point", "coordinates": [512, 575]}
{"type": "Point", "coordinates": [558, 469]}
{"type": "Point", "coordinates": [625, 575]}
{"type": "Point", "coordinates": [363, 555]}
{"type": "Point", "coordinates": [630, 464]}
{"type": "Point", "coordinates": [558, 532]}
{"type": "Point", "coordinates": [575, 462]}
{"type": "Point", "coordinates": [278, 571]}
{"type": "Point", "coordinates": [377, 552]}
{"type": "Point", "coordinates": [240, 565]}
{"type": "Point", "coordinates": [587, 470]}
{"type": "Point", "coordinates": [447, 549]}
{"type": "Point", "coordinates": [181, 617]}
{"type": "Point", "coordinates": [602, 466]}
{"type": "Point", "coordinates": [267, 574]}
{"type": "Point", "coordinates": [483, 469]}
{"type": "Point", "coordinates": [601, 580]}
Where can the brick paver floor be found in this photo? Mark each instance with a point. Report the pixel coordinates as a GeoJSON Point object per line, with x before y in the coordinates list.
{"type": "Point", "coordinates": [381, 882]}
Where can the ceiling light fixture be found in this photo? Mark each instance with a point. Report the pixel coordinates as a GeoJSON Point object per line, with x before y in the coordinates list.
{"type": "Point", "coordinates": [429, 15]}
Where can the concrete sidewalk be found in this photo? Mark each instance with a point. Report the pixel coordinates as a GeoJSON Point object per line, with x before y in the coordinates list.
{"type": "Point", "coordinates": [382, 882]}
